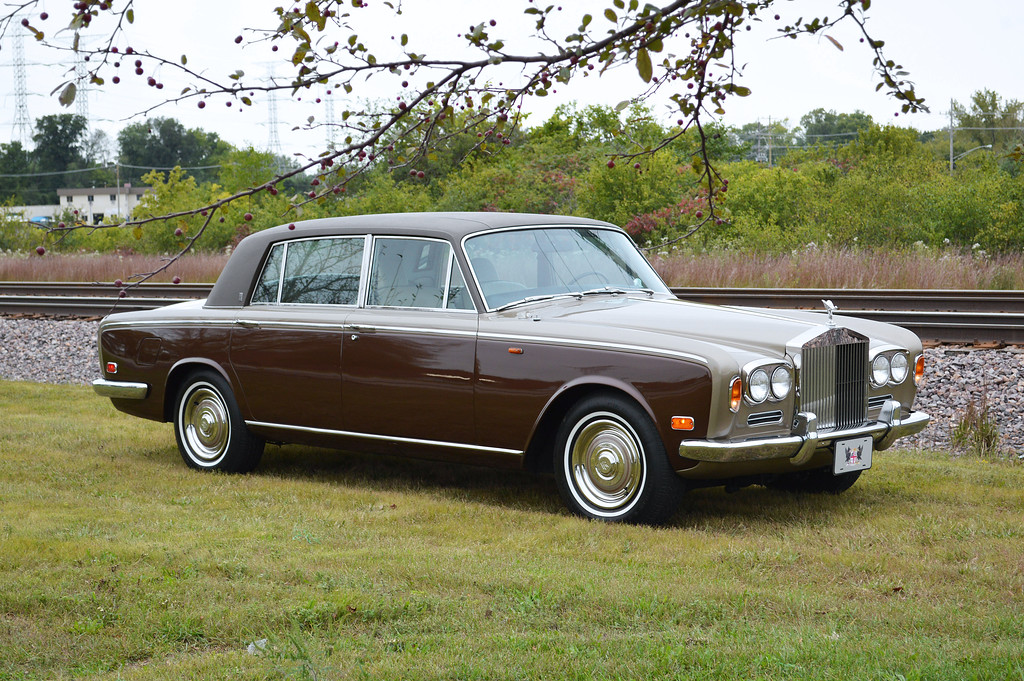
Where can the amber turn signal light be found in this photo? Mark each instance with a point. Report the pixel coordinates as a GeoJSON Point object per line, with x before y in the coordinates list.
{"type": "Point", "coordinates": [682, 423]}
{"type": "Point", "coordinates": [735, 394]}
{"type": "Point", "coordinates": [919, 370]}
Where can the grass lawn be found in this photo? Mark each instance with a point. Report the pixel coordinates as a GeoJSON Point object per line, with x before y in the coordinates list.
{"type": "Point", "coordinates": [118, 562]}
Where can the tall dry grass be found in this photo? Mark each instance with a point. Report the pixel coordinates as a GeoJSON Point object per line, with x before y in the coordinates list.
{"type": "Point", "coordinates": [813, 268]}
{"type": "Point", "coordinates": [193, 269]}
{"type": "Point", "coordinates": [836, 268]}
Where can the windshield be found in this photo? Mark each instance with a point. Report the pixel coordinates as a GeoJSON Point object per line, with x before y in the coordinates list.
{"type": "Point", "coordinates": [526, 264]}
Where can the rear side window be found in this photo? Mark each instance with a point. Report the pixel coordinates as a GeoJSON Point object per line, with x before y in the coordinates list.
{"type": "Point", "coordinates": [312, 272]}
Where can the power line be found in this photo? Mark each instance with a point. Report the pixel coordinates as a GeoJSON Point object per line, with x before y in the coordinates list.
{"type": "Point", "coordinates": [112, 166]}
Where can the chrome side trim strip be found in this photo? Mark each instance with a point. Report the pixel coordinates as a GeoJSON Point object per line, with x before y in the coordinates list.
{"type": "Point", "coordinates": [106, 326]}
{"type": "Point", "coordinates": [600, 345]}
{"type": "Point", "coordinates": [385, 438]}
{"type": "Point", "coordinates": [120, 390]}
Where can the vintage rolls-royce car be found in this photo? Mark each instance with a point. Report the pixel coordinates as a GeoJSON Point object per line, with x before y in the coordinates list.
{"type": "Point", "coordinates": [531, 341]}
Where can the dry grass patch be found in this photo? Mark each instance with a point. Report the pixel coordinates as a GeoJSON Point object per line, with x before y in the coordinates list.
{"type": "Point", "coordinates": [118, 562]}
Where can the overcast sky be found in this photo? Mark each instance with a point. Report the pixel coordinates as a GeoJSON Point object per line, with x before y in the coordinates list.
{"type": "Point", "coordinates": [951, 49]}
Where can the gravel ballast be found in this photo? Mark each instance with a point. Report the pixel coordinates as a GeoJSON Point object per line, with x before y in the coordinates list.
{"type": "Point", "coordinates": [63, 351]}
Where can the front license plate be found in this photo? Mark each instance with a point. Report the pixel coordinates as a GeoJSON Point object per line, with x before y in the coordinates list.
{"type": "Point", "coordinates": [852, 455]}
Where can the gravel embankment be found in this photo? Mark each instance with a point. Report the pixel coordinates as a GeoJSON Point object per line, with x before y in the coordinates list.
{"type": "Point", "coordinates": [64, 351]}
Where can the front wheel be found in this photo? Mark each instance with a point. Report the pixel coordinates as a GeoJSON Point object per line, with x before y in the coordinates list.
{"type": "Point", "coordinates": [209, 428]}
{"type": "Point", "coordinates": [611, 463]}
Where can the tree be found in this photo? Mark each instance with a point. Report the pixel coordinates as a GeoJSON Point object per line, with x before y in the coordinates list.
{"type": "Point", "coordinates": [990, 121]}
{"type": "Point", "coordinates": [60, 142]}
{"type": "Point", "coordinates": [832, 129]}
{"type": "Point", "coordinates": [689, 41]}
{"type": "Point", "coordinates": [15, 164]}
{"type": "Point", "coordinates": [163, 143]}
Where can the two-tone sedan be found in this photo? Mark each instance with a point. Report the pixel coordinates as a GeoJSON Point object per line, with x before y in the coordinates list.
{"type": "Point", "coordinates": [528, 341]}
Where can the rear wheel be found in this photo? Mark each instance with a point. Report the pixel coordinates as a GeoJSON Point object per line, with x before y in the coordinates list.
{"type": "Point", "coordinates": [209, 428]}
{"type": "Point", "coordinates": [819, 481]}
{"type": "Point", "coordinates": [611, 464]}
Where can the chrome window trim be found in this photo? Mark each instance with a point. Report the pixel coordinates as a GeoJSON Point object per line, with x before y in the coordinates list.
{"type": "Point", "coordinates": [385, 438]}
{"type": "Point", "coordinates": [407, 237]}
{"type": "Point", "coordinates": [524, 228]}
{"type": "Point", "coordinates": [284, 267]}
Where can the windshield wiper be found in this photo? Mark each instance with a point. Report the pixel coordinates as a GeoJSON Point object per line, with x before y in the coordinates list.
{"type": "Point", "coordinates": [616, 290]}
{"type": "Point", "coordinates": [534, 299]}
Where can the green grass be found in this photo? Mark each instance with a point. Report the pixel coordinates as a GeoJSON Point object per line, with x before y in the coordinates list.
{"type": "Point", "coordinates": [118, 562]}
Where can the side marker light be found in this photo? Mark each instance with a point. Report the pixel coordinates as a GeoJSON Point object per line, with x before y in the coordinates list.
{"type": "Point", "coordinates": [682, 423]}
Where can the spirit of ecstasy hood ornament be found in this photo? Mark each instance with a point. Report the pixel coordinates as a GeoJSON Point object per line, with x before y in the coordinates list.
{"type": "Point", "coordinates": [831, 307]}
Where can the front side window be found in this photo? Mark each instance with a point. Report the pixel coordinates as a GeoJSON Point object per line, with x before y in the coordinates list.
{"type": "Point", "coordinates": [409, 272]}
{"type": "Point", "coordinates": [516, 265]}
{"type": "Point", "coordinates": [312, 272]}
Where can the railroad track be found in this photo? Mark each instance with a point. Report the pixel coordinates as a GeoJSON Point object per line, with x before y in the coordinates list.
{"type": "Point", "coordinates": [946, 316]}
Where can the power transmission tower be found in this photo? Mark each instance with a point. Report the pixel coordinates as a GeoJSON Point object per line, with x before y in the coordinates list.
{"type": "Point", "coordinates": [274, 143]}
{"type": "Point", "coordinates": [82, 96]}
{"type": "Point", "coordinates": [331, 129]}
{"type": "Point", "coordinates": [22, 122]}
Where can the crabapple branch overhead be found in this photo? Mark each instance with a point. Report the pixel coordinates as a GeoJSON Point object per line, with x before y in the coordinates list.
{"type": "Point", "coordinates": [684, 56]}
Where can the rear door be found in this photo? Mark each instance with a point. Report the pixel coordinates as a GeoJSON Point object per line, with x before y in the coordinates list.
{"type": "Point", "coordinates": [409, 355]}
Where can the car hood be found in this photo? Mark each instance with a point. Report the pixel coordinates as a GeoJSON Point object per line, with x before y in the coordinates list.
{"type": "Point", "coordinates": [720, 334]}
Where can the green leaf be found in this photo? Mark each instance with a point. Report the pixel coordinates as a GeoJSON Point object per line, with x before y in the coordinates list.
{"type": "Point", "coordinates": [622, 105]}
{"type": "Point", "coordinates": [130, 15]}
{"type": "Point", "coordinates": [611, 16]}
{"type": "Point", "coordinates": [184, 60]}
{"type": "Point", "coordinates": [643, 64]}
{"type": "Point", "coordinates": [586, 20]}
{"type": "Point", "coordinates": [405, 40]}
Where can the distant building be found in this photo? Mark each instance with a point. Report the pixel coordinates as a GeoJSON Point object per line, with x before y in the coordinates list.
{"type": "Point", "coordinates": [94, 204]}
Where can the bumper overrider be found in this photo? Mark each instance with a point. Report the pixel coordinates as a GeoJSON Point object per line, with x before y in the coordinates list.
{"type": "Point", "coordinates": [799, 446]}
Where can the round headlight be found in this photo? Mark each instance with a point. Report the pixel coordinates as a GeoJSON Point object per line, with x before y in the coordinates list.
{"type": "Point", "coordinates": [899, 368]}
{"type": "Point", "coordinates": [782, 382]}
{"type": "Point", "coordinates": [880, 371]}
{"type": "Point", "coordinates": [758, 386]}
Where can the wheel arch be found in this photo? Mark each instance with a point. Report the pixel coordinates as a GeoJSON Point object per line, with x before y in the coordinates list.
{"type": "Point", "coordinates": [180, 371]}
{"type": "Point", "coordinates": [539, 456]}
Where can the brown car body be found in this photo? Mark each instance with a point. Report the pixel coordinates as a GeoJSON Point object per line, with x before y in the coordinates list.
{"type": "Point", "coordinates": [496, 385]}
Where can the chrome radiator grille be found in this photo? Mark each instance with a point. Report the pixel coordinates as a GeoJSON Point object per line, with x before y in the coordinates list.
{"type": "Point", "coordinates": [834, 379]}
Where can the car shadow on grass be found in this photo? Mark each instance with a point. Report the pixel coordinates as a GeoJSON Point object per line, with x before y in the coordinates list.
{"type": "Point", "coordinates": [521, 490]}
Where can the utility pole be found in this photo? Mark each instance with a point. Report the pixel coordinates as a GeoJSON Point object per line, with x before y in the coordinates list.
{"type": "Point", "coordinates": [950, 136]}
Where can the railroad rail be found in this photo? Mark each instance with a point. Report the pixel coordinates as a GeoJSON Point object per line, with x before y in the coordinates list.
{"type": "Point", "coordinates": [945, 316]}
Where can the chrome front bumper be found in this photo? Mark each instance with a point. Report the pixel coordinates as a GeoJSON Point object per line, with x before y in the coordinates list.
{"type": "Point", "coordinates": [120, 390]}
{"type": "Point", "coordinates": [805, 439]}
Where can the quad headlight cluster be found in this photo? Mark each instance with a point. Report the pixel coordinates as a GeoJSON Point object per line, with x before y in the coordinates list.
{"type": "Point", "coordinates": [889, 367]}
{"type": "Point", "coordinates": [762, 383]}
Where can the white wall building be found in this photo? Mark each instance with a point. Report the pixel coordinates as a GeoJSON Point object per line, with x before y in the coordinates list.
{"type": "Point", "coordinates": [94, 204]}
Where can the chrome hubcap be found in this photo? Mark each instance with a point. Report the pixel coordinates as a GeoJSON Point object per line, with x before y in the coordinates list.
{"type": "Point", "coordinates": [606, 463]}
{"type": "Point", "coordinates": [205, 425]}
